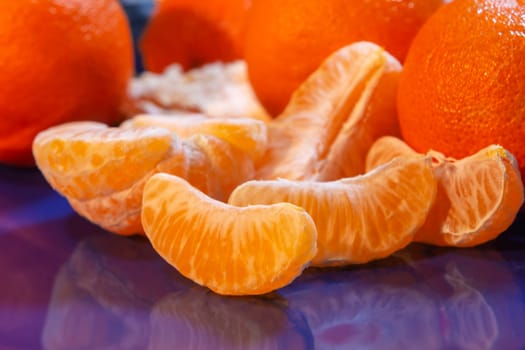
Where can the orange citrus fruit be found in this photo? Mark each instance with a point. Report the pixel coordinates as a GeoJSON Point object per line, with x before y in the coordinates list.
{"type": "Point", "coordinates": [478, 196]}
{"type": "Point", "coordinates": [192, 33]}
{"type": "Point", "coordinates": [358, 219]}
{"type": "Point", "coordinates": [249, 135]}
{"type": "Point", "coordinates": [220, 90]}
{"type": "Point", "coordinates": [231, 250]}
{"type": "Point", "coordinates": [102, 170]}
{"type": "Point", "coordinates": [59, 61]}
{"type": "Point", "coordinates": [286, 40]}
{"type": "Point", "coordinates": [463, 83]}
{"type": "Point", "coordinates": [334, 117]}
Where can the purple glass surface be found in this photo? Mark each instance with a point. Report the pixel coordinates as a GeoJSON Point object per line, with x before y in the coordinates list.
{"type": "Point", "coordinates": [67, 284]}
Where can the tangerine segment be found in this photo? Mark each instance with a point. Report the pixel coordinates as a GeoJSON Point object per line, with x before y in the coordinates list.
{"type": "Point", "coordinates": [231, 250]}
{"type": "Point", "coordinates": [385, 149]}
{"type": "Point", "coordinates": [334, 116]}
{"type": "Point", "coordinates": [249, 135]}
{"type": "Point", "coordinates": [484, 193]}
{"type": "Point", "coordinates": [85, 160]}
{"type": "Point", "coordinates": [110, 195]}
{"type": "Point", "coordinates": [358, 219]}
{"type": "Point", "coordinates": [207, 162]}
{"type": "Point", "coordinates": [478, 196]}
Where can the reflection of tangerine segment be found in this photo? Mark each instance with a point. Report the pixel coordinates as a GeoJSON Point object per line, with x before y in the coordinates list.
{"type": "Point", "coordinates": [95, 327]}
{"type": "Point", "coordinates": [474, 313]}
{"type": "Point", "coordinates": [478, 196]}
{"type": "Point", "coordinates": [358, 219]}
{"type": "Point", "coordinates": [199, 319]}
{"type": "Point", "coordinates": [334, 117]}
{"type": "Point", "coordinates": [102, 170]}
{"type": "Point", "coordinates": [108, 285]}
{"type": "Point", "coordinates": [246, 134]}
{"type": "Point", "coordinates": [230, 250]}
{"type": "Point", "coordinates": [473, 323]}
{"type": "Point", "coordinates": [381, 308]}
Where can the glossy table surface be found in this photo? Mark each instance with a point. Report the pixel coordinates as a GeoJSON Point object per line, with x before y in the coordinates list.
{"type": "Point", "coordinates": [66, 284]}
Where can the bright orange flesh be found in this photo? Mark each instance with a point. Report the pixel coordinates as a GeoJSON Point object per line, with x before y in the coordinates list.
{"type": "Point", "coordinates": [102, 171]}
{"type": "Point", "coordinates": [384, 150]}
{"type": "Point", "coordinates": [231, 250]}
{"type": "Point", "coordinates": [358, 219]}
{"type": "Point", "coordinates": [478, 196]}
{"type": "Point", "coordinates": [249, 135]}
{"type": "Point", "coordinates": [334, 117]}
{"type": "Point", "coordinates": [82, 159]}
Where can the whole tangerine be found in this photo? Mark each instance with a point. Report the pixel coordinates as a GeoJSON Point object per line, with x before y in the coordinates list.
{"type": "Point", "coordinates": [192, 33]}
{"type": "Point", "coordinates": [59, 61]}
{"type": "Point", "coordinates": [286, 40]}
{"type": "Point", "coordinates": [463, 83]}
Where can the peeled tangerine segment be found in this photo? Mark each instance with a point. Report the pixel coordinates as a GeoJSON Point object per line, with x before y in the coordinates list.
{"type": "Point", "coordinates": [334, 117]}
{"type": "Point", "coordinates": [478, 196]}
{"type": "Point", "coordinates": [102, 170]}
{"type": "Point", "coordinates": [358, 219]}
{"type": "Point", "coordinates": [88, 159]}
{"type": "Point", "coordinates": [249, 135]}
{"type": "Point", "coordinates": [231, 250]}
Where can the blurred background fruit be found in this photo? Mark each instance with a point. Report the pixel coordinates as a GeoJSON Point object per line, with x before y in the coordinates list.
{"type": "Point", "coordinates": [192, 33]}
{"type": "Point", "coordinates": [286, 40]}
{"type": "Point", "coordinates": [59, 61]}
{"type": "Point", "coordinates": [463, 84]}
{"type": "Point", "coordinates": [217, 90]}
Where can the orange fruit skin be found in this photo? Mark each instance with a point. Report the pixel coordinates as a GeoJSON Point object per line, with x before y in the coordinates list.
{"type": "Point", "coordinates": [192, 33]}
{"type": "Point", "coordinates": [463, 83]}
{"type": "Point", "coordinates": [59, 61]}
{"type": "Point", "coordinates": [287, 39]}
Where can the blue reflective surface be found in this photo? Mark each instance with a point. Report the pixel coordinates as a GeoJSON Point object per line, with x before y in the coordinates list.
{"type": "Point", "coordinates": [66, 284]}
